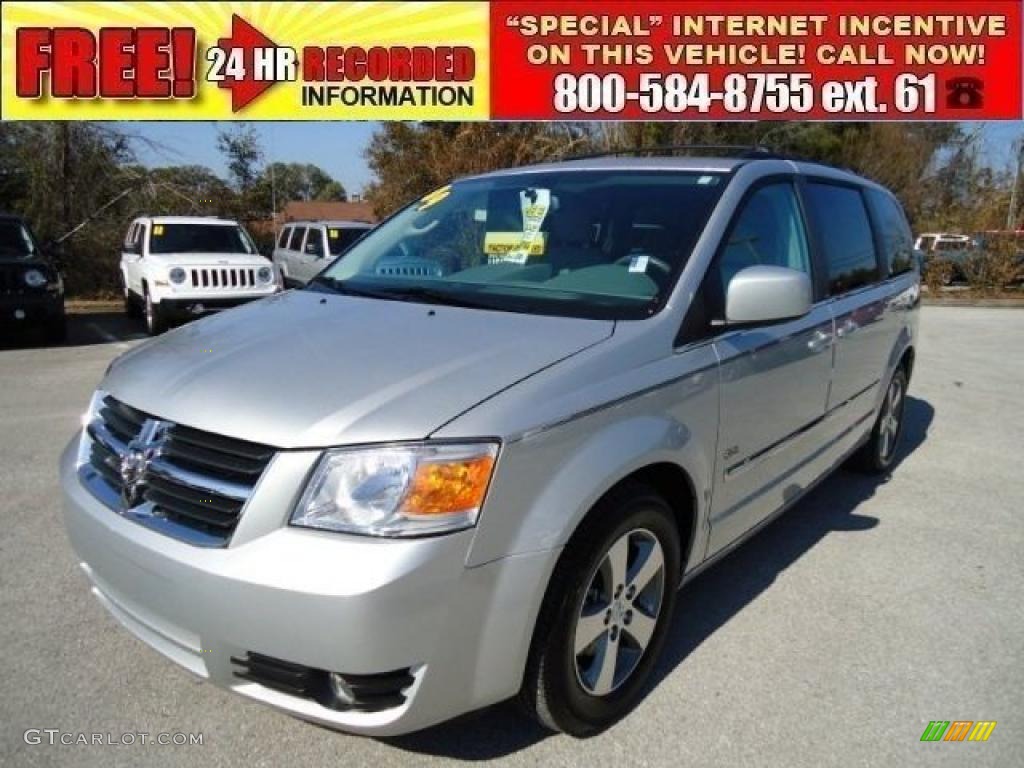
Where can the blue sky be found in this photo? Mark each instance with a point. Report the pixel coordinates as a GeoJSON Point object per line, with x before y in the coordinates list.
{"type": "Point", "coordinates": [337, 147]}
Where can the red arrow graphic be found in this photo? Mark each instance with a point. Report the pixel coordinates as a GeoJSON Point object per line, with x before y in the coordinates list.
{"type": "Point", "coordinates": [244, 37]}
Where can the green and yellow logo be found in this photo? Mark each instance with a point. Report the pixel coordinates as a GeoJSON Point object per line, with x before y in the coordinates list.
{"type": "Point", "coordinates": [958, 730]}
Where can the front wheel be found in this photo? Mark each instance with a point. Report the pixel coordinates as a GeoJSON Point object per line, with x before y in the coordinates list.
{"type": "Point", "coordinates": [156, 321]}
{"type": "Point", "coordinates": [879, 452]}
{"type": "Point", "coordinates": [605, 615]}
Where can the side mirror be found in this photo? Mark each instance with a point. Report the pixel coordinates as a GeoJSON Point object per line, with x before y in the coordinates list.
{"type": "Point", "coordinates": [767, 295]}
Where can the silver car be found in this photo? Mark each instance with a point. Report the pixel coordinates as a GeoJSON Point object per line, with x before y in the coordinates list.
{"type": "Point", "coordinates": [304, 248]}
{"type": "Point", "coordinates": [476, 458]}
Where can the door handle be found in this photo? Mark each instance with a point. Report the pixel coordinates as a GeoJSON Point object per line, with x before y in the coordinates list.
{"type": "Point", "coordinates": [820, 341]}
{"type": "Point", "coordinates": [848, 326]}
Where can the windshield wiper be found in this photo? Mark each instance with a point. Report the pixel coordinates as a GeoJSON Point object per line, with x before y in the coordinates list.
{"type": "Point", "coordinates": [434, 296]}
{"type": "Point", "coordinates": [412, 293]}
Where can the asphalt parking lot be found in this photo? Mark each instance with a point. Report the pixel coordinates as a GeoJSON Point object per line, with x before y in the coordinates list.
{"type": "Point", "coordinates": [832, 638]}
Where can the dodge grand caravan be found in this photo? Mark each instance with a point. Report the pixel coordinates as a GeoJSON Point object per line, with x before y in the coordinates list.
{"type": "Point", "coordinates": [477, 457]}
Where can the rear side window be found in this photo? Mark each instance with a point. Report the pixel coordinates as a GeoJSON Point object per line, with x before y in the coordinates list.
{"type": "Point", "coordinates": [894, 232]}
{"type": "Point", "coordinates": [282, 240]}
{"type": "Point", "coordinates": [295, 244]}
{"type": "Point", "coordinates": [845, 232]}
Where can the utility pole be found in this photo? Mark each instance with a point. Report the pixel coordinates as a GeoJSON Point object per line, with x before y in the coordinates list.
{"type": "Point", "coordinates": [1011, 216]}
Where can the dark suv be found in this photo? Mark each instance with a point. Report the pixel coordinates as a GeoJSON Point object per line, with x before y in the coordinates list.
{"type": "Point", "coordinates": [31, 287]}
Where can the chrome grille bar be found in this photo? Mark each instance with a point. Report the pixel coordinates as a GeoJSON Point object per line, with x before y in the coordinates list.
{"type": "Point", "coordinates": [194, 484]}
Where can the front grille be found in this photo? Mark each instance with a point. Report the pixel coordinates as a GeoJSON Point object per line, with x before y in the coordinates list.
{"type": "Point", "coordinates": [194, 484]}
{"type": "Point", "coordinates": [364, 693]}
{"type": "Point", "coordinates": [10, 280]}
{"type": "Point", "coordinates": [223, 277]}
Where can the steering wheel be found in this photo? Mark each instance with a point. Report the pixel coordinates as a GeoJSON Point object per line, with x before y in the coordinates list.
{"type": "Point", "coordinates": [661, 264]}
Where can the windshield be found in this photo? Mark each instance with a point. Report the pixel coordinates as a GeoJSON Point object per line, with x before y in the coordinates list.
{"type": "Point", "coordinates": [599, 244]}
{"type": "Point", "coordinates": [15, 239]}
{"type": "Point", "coordinates": [339, 239]}
{"type": "Point", "coordinates": [199, 238]}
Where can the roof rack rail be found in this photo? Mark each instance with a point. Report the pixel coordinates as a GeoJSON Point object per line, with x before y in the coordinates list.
{"type": "Point", "coordinates": [751, 151]}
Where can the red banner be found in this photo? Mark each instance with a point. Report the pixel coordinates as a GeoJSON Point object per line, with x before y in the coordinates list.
{"type": "Point", "coordinates": [686, 60]}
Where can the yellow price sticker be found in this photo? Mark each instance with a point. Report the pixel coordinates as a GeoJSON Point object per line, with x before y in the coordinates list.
{"type": "Point", "coordinates": [332, 233]}
{"type": "Point", "coordinates": [435, 197]}
{"type": "Point", "coordinates": [158, 229]}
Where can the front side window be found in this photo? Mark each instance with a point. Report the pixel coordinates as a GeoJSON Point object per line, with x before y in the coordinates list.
{"type": "Point", "coordinates": [15, 239]}
{"type": "Point", "coordinates": [846, 239]}
{"type": "Point", "coordinates": [315, 243]}
{"type": "Point", "coordinates": [198, 238]}
{"type": "Point", "coordinates": [339, 239]}
{"type": "Point", "coordinates": [767, 231]}
{"type": "Point", "coordinates": [582, 243]}
{"type": "Point", "coordinates": [897, 242]}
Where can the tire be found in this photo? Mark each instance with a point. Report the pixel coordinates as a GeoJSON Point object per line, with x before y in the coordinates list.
{"type": "Point", "coordinates": [131, 302]}
{"type": "Point", "coordinates": [574, 692]}
{"type": "Point", "coordinates": [57, 329]}
{"type": "Point", "coordinates": [877, 455]}
{"type": "Point", "coordinates": [156, 320]}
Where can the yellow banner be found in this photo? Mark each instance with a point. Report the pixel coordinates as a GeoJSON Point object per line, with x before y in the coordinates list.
{"type": "Point", "coordinates": [245, 60]}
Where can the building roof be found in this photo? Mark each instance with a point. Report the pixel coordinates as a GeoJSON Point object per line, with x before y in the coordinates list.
{"type": "Point", "coordinates": [327, 210]}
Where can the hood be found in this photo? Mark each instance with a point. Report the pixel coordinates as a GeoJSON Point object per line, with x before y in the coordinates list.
{"type": "Point", "coordinates": [305, 369]}
{"type": "Point", "coordinates": [209, 259]}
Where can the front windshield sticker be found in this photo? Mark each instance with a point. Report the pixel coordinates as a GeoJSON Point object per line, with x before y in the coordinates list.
{"type": "Point", "coordinates": [638, 263]}
{"type": "Point", "coordinates": [534, 204]}
{"type": "Point", "coordinates": [433, 198]}
{"type": "Point", "coordinates": [502, 246]}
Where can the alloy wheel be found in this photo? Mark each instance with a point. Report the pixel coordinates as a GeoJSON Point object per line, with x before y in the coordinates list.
{"type": "Point", "coordinates": [619, 612]}
{"type": "Point", "coordinates": [892, 413]}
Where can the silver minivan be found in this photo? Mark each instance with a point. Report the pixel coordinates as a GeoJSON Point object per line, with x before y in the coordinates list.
{"type": "Point", "coordinates": [476, 458]}
{"type": "Point", "coordinates": [304, 248]}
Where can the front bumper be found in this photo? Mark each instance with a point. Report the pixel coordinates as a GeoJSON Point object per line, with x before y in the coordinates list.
{"type": "Point", "coordinates": [354, 605]}
{"type": "Point", "coordinates": [30, 307]}
{"type": "Point", "coordinates": [186, 307]}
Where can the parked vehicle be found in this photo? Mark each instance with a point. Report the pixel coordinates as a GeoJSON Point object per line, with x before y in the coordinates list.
{"type": "Point", "coordinates": [304, 248]}
{"type": "Point", "coordinates": [31, 286]}
{"type": "Point", "coordinates": [477, 457]}
{"type": "Point", "coordinates": [929, 242]}
{"type": "Point", "coordinates": [178, 267]}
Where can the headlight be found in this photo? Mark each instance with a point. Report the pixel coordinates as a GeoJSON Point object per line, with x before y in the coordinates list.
{"type": "Point", "coordinates": [90, 415]}
{"type": "Point", "coordinates": [401, 490]}
{"type": "Point", "coordinates": [177, 275]}
{"type": "Point", "coordinates": [265, 274]}
{"type": "Point", "coordinates": [34, 278]}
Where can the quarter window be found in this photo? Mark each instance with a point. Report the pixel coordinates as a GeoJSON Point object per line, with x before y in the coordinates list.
{"type": "Point", "coordinates": [897, 242]}
{"type": "Point", "coordinates": [282, 240]}
{"type": "Point", "coordinates": [846, 239]}
{"type": "Point", "coordinates": [295, 244]}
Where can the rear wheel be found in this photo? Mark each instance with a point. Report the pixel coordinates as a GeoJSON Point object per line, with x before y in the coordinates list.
{"type": "Point", "coordinates": [605, 615]}
{"type": "Point", "coordinates": [879, 452]}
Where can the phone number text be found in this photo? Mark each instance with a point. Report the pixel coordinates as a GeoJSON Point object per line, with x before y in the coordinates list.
{"type": "Point", "coordinates": [749, 93]}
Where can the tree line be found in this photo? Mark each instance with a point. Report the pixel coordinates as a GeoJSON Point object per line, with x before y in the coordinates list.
{"type": "Point", "coordinates": [80, 183]}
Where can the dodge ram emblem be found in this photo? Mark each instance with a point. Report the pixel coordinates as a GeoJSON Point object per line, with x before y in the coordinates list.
{"type": "Point", "coordinates": [136, 460]}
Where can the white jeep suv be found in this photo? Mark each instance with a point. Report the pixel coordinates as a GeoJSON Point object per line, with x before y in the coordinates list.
{"type": "Point", "coordinates": [176, 267]}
